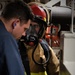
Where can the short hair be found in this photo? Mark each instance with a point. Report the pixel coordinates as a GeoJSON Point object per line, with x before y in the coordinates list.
{"type": "Point", "coordinates": [17, 9]}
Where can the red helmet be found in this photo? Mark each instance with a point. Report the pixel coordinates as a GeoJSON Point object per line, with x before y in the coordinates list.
{"type": "Point", "coordinates": [37, 10]}
{"type": "Point", "coordinates": [40, 10]}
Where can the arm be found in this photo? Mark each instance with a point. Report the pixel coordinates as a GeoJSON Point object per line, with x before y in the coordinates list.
{"type": "Point", "coordinates": [53, 64]}
{"type": "Point", "coordinates": [12, 57]}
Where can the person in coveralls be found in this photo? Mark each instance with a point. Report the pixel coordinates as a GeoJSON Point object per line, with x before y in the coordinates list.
{"type": "Point", "coordinates": [14, 20]}
{"type": "Point", "coordinates": [37, 56]}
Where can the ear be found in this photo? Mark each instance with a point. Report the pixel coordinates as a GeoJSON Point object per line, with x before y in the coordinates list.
{"type": "Point", "coordinates": [15, 23]}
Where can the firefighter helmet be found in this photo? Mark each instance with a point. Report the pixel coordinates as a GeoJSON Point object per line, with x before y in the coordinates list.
{"type": "Point", "coordinates": [41, 10]}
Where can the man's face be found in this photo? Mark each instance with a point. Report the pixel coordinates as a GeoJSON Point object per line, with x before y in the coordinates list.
{"type": "Point", "coordinates": [20, 28]}
{"type": "Point", "coordinates": [30, 37]}
{"type": "Point", "coordinates": [36, 26]}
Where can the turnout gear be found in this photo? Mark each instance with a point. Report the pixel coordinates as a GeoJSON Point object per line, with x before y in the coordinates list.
{"type": "Point", "coordinates": [50, 68]}
{"type": "Point", "coordinates": [42, 59]}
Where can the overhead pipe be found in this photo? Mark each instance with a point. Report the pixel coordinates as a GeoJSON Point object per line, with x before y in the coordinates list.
{"type": "Point", "coordinates": [60, 15]}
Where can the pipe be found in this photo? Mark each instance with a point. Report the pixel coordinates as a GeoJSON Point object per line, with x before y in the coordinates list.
{"type": "Point", "coordinates": [60, 15]}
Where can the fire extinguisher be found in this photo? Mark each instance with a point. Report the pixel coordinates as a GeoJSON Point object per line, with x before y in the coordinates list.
{"type": "Point", "coordinates": [52, 35]}
{"type": "Point", "coordinates": [48, 35]}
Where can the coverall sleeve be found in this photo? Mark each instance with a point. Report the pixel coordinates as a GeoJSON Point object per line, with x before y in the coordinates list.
{"type": "Point", "coordinates": [12, 57]}
{"type": "Point", "coordinates": [53, 64]}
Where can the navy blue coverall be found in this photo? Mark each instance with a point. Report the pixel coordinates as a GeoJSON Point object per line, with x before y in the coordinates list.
{"type": "Point", "coordinates": [10, 60]}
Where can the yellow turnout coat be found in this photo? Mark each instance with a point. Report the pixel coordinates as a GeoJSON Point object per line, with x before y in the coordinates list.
{"type": "Point", "coordinates": [52, 65]}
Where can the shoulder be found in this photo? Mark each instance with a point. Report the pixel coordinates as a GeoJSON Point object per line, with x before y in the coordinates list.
{"type": "Point", "coordinates": [7, 39]}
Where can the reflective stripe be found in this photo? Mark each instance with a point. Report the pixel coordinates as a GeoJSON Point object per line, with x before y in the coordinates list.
{"type": "Point", "coordinates": [40, 73]}
{"type": "Point", "coordinates": [25, 73]}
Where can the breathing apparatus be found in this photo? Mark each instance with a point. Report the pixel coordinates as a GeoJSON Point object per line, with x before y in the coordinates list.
{"type": "Point", "coordinates": [32, 35]}
{"type": "Point", "coordinates": [35, 31]}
